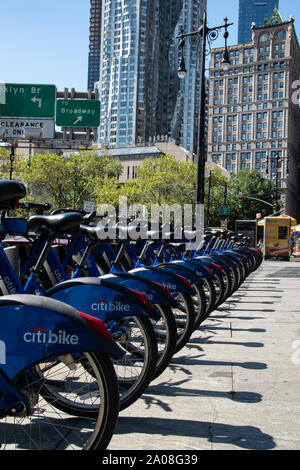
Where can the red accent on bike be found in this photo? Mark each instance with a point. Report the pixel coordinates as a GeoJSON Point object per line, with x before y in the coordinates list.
{"type": "Point", "coordinates": [185, 281]}
{"type": "Point", "coordinates": [17, 205]}
{"type": "Point", "coordinates": [98, 325]}
{"type": "Point", "coordinates": [219, 267]}
{"type": "Point", "coordinates": [207, 269]}
{"type": "Point", "coordinates": [164, 289]}
{"type": "Point", "coordinates": [142, 297]}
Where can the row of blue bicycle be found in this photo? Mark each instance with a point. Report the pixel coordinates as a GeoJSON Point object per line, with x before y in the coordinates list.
{"type": "Point", "coordinates": [86, 323]}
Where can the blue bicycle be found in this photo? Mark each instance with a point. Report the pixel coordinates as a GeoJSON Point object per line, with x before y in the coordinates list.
{"type": "Point", "coordinates": [39, 338]}
{"type": "Point", "coordinates": [126, 311]}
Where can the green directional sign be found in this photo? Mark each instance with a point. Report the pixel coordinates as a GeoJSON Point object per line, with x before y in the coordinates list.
{"type": "Point", "coordinates": [224, 210]}
{"type": "Point", "coordinates": [77, 113]}
{"type": "Point", "coordinates": [27, 101]}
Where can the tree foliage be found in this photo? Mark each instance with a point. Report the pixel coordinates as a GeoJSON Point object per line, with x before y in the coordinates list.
{"type": "Point", "coordinates": [18, 165]}
{"type": "Point", "coordinates": [244, 183]}
{"type": "Point", "coordinates": [69, 180]}
{"type": "Point", "coordinates": [159, 181]}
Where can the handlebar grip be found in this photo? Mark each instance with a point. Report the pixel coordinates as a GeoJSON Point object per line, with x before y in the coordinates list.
{"type": "Point", "coordinates": [34, 205]}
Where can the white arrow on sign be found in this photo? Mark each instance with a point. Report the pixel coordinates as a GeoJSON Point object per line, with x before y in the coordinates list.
{"type": "Point", "coordinates": [78, 119]}
{"type": "Point", "coordinates": [38, 100]}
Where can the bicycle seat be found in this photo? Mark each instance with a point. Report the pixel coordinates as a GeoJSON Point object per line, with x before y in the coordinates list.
{"type": "Point", "coordinates": [190, 234]}
{"type": "Point", "coordinates": [68, 222]}
{"type": "Point", "coordinates": [215, 233]}
{"type": "Point", "coordinates": [10, 193]}
{"type": "Point", "coordinates": [154, 234]}
{"type": "Point", "coordinates": [207, 237]}
{"type": "Point", "coordinates": [168, 236]}
{"type": "Point", "coordinates": [178, 246]}
{"type": "Point", "coordinates": [90, 231]}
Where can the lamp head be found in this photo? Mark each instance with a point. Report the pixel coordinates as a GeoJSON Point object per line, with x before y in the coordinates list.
{"type": "Point", "coordinates": [225, 64]}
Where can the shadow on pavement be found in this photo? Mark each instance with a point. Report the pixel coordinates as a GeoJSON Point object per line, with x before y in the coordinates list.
{"type": "Point", "coordinates": [187, 361]}
{"type": "Point", "coordinates": [244, 437]}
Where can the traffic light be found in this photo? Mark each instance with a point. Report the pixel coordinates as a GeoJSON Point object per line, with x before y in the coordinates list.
{"type": "Point", "coordinates": [213, 205]}
{"type": "Point", "coordinates": [274, 208]}
{"type": "Point", "coordinates": [240, 203]}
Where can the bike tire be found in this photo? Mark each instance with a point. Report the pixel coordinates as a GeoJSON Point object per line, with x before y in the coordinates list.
{"type": "Point", "coordinates": [135, 370]}
{"type": "Point", "coordinates": [185, 316]}
{"type": "Point", "coordinates": [166, 337]}
{"type": "Point", "coordinates": [200, 304]}
{"type": "Point", "coordinates": [56, 423]}
{"type": "Point", "coordinates": [211, 296]}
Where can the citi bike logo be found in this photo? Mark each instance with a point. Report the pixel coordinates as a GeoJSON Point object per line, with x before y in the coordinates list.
{"type": "Point", "coordinates": [40, 335]}
{"type": "Point", "coordinates": [2, 352]}
{"type": "Point", "coordinates": [170, 286]}
{"type": "Point", "coordinates": [58, 276]}
{"type": "Point", "coordinates": [105, 306]}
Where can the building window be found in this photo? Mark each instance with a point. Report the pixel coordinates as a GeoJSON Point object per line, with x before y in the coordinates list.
{"type": "Point", "coordinates": [280, 35]}
{"type": "Point", "coordinates": [264, 38]}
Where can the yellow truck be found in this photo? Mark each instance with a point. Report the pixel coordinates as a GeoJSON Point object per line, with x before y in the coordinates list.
{"type": "Point", "coordinates": [277, 237]}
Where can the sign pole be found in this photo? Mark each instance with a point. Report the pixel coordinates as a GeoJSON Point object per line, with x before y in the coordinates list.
{"type": "Point", "coordinates": [12, 158]}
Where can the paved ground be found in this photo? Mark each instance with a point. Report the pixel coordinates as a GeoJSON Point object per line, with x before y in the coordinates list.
{"type": "Point", "coordinates": [236, 385]}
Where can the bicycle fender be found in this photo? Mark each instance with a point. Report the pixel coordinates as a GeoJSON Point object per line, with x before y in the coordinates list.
{"type": "Point", "coordinates": [193, 271]}
{"type": "Point", "coordinates": [208, 269]}
{"type": "Point", "coordinates": [210, 263]}
{"type": "Point", "coordinates": [173, 282]}
{"type": "Point", "coordinates": [35, 328]}
{"type": "Point", "coordinates": [155, 292]}
{"type": "Point", "coordinates": [222, 258]}
{"type": "Point", "coordinates": [102, 298]}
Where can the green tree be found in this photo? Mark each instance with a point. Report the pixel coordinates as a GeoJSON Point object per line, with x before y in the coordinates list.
{"type": "Point", "coordinates": [215, 197]}
{"type": "Point", "coordinates": [18, 165]}
{"type": "Point", "coordinates": [249, 183]}
{"type": "Point", "coordinates": [160, 180]}
{"type": "Point", "coordinates": [69, 180]}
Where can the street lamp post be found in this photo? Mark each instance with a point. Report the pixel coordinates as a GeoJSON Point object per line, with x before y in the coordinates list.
{"type": "Point", "coordinates": [278, 157]}
{"type": "Point", "coordinates": [207, 35]}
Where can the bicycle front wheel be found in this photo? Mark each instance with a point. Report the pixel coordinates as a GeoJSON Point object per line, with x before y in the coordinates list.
{"type": "Point", "coordinates": [54, 396]}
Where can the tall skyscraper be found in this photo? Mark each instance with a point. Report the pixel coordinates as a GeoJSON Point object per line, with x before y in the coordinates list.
{"type": "Point", "coordinates": [253, 11]}
{"type": "Point", "coordinates": [95, 43]}
{"type": "Point", "coordinates": [141, 96]}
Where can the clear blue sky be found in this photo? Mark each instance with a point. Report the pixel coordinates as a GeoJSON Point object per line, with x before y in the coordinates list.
{"type": "Point", "coordinates": [46, 41]}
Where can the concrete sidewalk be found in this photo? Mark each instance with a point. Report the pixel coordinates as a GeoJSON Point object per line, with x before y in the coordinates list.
{"type": "Point", "coordinates": [236, 385]}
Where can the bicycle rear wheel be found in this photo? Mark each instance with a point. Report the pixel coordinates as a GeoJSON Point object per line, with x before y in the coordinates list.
{"type": "Point", "coordinates": [54, 397]}
{"type": "Point", "coordinates": [136, 369]}
{"type": "Point", "coordinates": [166, 337]}
{"type": "Point", "coordinates": [185, 317]}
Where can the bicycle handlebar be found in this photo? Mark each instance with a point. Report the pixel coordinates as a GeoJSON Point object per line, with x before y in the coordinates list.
{"type": "Point", "coordinates": [35, 205]}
